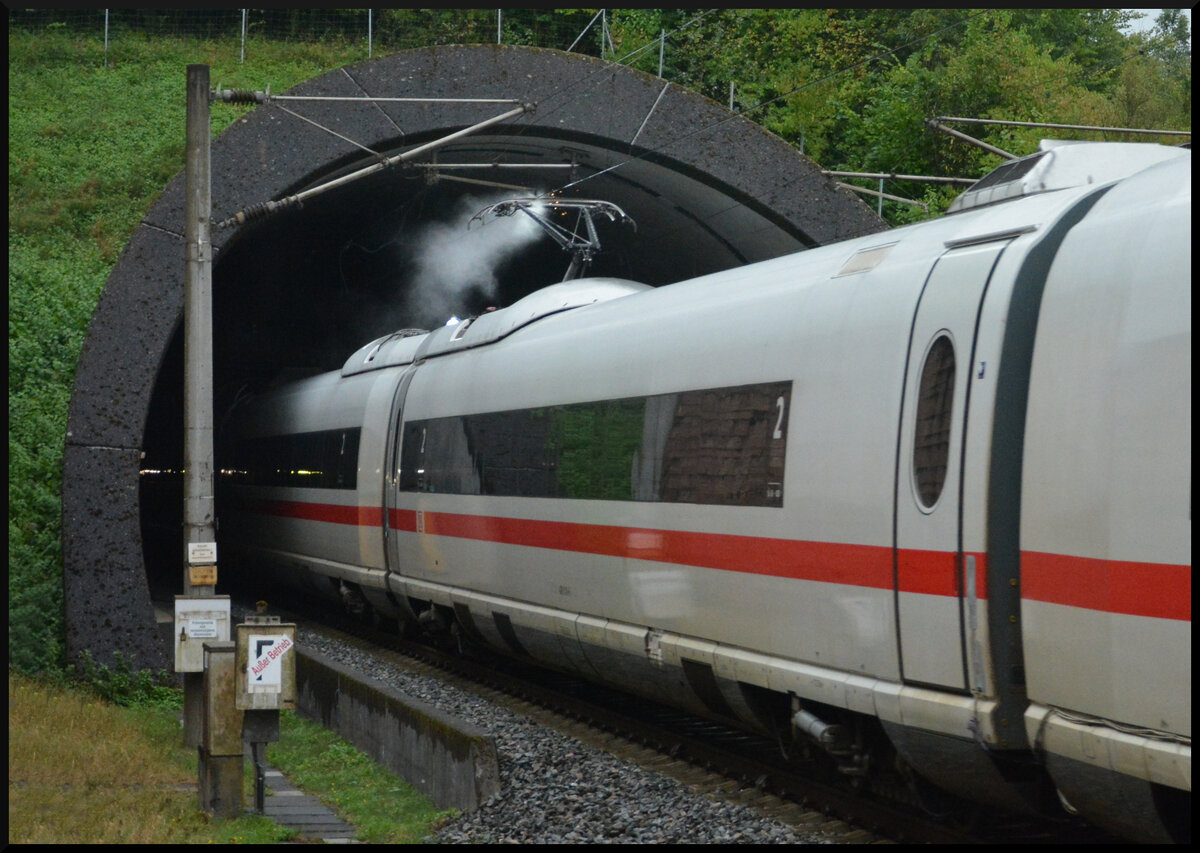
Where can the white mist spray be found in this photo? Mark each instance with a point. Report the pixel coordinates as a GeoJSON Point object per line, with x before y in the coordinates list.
{"type": "Point", "coordinates": [451, 260]}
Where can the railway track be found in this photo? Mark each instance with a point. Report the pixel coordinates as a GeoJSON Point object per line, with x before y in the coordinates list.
{"type": "Point", "coordinates": [709, 758]}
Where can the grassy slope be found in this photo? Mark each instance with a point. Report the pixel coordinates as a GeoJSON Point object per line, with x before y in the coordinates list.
{"type": "Point", "coordinates": [85, 770]}
{"type": "Point", "coordinates": [90, 148]}
{"type": "Point", "coordinates": [91, 145]}
{"type": "Point", "coordinates": [81, 770]}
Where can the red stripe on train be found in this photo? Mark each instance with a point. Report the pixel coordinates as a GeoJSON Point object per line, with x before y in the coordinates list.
{"type": "Point", "coordinates": [860, 565]}
{"type": "Point", "coordinates": [365, 516]}
{"type": "Point", "coordinates": [928, 572]}
{"type": "Point", "coordinates": [1161, 590]}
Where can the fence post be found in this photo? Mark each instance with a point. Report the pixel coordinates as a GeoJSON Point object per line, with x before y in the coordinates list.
{"type": "Point", "coordinates": [105, 38]}
{"type": "Point", "coordinates": [662, 43]}
{"type": "Point", "coordinates": [244, 36]}
{"type": "Point", "coordinates": [370, 32]}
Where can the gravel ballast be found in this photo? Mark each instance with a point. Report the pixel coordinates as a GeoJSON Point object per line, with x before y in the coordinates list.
{"type": "Point", "coordinates": [556, 789]}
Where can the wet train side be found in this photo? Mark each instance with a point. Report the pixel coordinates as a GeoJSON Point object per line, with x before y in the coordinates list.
{"type": "Point", "coordinates": [920, 500]}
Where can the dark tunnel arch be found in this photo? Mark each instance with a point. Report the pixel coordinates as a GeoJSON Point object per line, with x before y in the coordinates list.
{"type": "Point", "coordinates": [301, 289]}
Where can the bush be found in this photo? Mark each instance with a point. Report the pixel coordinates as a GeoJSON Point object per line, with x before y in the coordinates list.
{"type": "Point", "coordinates": [122, 685]}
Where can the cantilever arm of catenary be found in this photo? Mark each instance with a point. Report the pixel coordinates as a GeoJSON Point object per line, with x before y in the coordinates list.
{"type": "Point", "coordinates": [265, 208]}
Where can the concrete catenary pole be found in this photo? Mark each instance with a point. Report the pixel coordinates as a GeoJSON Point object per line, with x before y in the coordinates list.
{"type": "Point", "coordinates": [198, 516]}
{"type": "Point", "coordinates": [198, 503]}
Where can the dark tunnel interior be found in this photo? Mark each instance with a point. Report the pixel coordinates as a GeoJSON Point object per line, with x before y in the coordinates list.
{"type": "Point", "coordinates": [299, 291]}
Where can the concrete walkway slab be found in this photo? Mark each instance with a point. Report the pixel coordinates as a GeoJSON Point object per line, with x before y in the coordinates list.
{"type": "Point", "coordinates": [288, 806]}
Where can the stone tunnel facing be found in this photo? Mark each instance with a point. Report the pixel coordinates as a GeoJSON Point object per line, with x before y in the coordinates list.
{"type": "Point", "coordinates": [298, 291]}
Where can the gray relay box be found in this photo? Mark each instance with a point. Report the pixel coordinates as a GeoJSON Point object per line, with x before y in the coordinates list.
{"type": "Point", "coordinates": [199, 619]}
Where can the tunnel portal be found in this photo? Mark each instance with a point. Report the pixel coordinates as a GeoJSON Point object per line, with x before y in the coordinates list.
{"type": "Point", "coordinates": [297, 291]}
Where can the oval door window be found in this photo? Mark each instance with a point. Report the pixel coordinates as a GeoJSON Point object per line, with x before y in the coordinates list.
{"type": "Point", "coordinates": [931, 442]}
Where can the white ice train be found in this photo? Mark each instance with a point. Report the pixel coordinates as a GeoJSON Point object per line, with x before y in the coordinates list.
{"type": "Point", "coordinates": [922, 498]}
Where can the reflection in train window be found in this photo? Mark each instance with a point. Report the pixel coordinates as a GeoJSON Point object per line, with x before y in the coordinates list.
{"type": "Point", "coordinates": [931, 443]}
{"type": "Point", "coordinates": [313, 460]}
{"type": "Point", "coordinates": [714, 446]}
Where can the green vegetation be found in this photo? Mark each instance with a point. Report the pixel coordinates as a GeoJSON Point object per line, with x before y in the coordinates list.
{"type": "Point", "coordinates": [122, 685]}
{"type": "Point", "coordinates": [96, 133]}
{"type": "Point", "coordinates": [594, 446]}
{"type": "Point", "coordinates": [84, 769]}
{"type": "Point", "coordinates": [853, 87]}
{"type": "Point", "coordinates": [383, 808]}
{"type": "Point", "coordinates": [90, 149]}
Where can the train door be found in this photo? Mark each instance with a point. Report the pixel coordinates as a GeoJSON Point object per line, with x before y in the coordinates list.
{"type": "Point", "coordinates": [394, 519]}
{"type": "Point", "coordinates": [929, 488]}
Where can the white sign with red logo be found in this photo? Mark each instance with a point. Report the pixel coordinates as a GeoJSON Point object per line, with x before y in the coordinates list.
{"type": "Point", "coordinates": [264, 663]}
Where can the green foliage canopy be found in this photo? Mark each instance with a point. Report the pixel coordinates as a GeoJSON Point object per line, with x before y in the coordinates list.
{"type": "Point", "coordinates": [853, 87]}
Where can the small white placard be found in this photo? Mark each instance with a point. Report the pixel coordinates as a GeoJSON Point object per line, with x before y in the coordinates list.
{"type": "Point", "coordinates": [203, 628]}
{"type": "Point", "coordinates": [202, 553]}
{"type": "Point", "coordinates": [264, 663]}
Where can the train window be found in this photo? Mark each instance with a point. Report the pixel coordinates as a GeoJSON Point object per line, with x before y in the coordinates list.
{"type": "Point", "coordinates": [931, 442]}
{"type": "Point", "coordinates": [865, 259]}
{"type": "Point", "coordinates": [720, 446]}
{"type": "Point", "coordinates": [314, 460]}
{"type": "Point", "coordinates": [1007, 172]}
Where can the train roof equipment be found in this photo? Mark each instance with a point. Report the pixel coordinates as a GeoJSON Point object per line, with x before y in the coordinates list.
{"type": "Point", "coordinates": [582, 246]}
{"type": "Point", "coordinates": [410, 345]}
{"type": "Point", "coordinates": [388, 351]}
{"type": "Point", "coordinates": [1059, 165]}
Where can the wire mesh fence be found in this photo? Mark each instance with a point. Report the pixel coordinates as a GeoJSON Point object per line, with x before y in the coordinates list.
{"type": "Point", "coordinates": [376, 30]}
